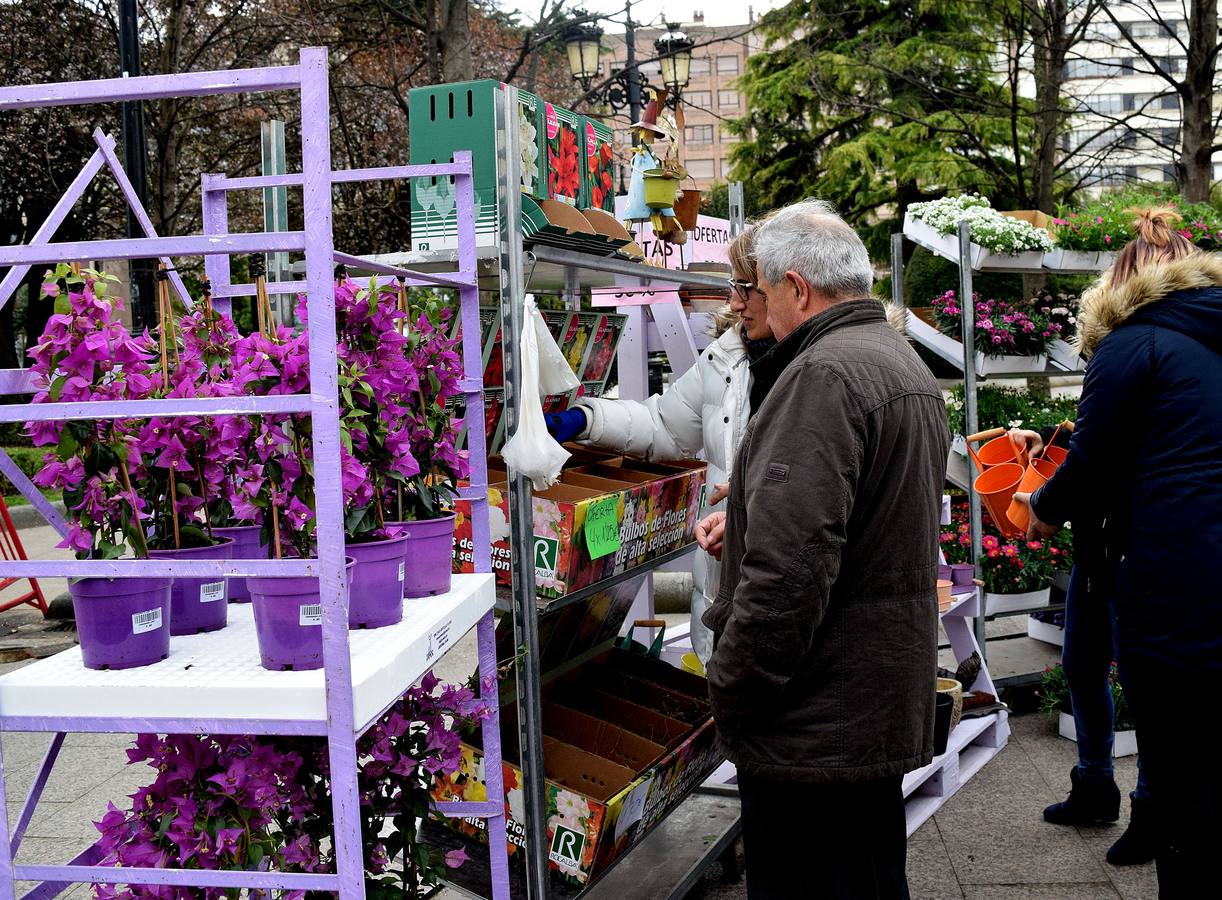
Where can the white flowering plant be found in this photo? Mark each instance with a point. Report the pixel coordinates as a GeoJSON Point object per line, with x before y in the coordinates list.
{"type": "Point", "coordinates": [990, 229]}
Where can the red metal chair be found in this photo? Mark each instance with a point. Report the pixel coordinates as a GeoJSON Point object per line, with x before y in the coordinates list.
{"type": "Point", "coordinates": [10, 549]}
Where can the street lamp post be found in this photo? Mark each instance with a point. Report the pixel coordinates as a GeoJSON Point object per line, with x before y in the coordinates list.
{"type": "Point", "coordinates": [583, 45]}
{"type": "Point", "coordinates": [140, 271]}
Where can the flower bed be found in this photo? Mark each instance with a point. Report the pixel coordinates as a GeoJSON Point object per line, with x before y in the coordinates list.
{"type": "Point", "coordinates": [1010, 337]}
{"type": "Point", "coordinates": [1104, 225]}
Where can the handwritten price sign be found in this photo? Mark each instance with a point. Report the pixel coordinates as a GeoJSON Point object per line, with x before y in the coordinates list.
{"type": "Point", "coordinates": [602, 527]}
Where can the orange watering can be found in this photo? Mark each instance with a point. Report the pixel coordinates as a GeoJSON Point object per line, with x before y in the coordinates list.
{"type": "Point", "coordinates": [1035, 477]}
{"type": "Point", "coordinates": [997, 450]}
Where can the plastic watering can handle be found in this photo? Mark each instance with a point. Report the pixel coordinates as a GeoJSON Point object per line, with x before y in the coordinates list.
{"type": "Point", "coordinates": [654, 649]}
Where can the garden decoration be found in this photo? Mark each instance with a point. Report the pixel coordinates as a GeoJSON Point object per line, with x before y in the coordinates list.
{"type": "Point", "coordinates": [997, 483]}
{"type": "Point", "coordinates": [86, 353]}
{"type": "Point", "coordinates": [655, 180]}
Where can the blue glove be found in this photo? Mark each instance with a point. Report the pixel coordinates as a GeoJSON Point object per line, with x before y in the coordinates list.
{"type": "Point", "coordinates": [567, 424]}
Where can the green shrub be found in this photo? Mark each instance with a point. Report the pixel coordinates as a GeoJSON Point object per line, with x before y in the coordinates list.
{"type": "Point", "coordinates": [28, 459]}
{"type": "Point", "coordinates": [927, 276]}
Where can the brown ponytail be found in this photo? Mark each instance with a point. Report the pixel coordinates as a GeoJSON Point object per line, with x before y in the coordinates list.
{"type": "Point", "coordinates": [1157, 241]}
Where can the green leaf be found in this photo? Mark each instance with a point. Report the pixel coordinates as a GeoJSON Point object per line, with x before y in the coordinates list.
{"type": "Point", "coordinates": [68, 445]}
{"type": "Point", "coordinates": [62, 305]}
{"type": "Point", "coordinates": [57, 388]}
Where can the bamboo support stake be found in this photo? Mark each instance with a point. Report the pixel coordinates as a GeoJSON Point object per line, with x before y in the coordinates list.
{"type": "Point", "coordinates": [163, 302]}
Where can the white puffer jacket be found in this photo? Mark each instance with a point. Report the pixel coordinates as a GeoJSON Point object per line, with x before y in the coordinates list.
{"type": "Point", "coordinates": [705, 409]}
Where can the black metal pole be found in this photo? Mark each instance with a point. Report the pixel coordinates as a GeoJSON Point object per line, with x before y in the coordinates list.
{"type": "Point", "coordinates": [135, 162]}
{"type": "Point", "coordinates": [634, 77]}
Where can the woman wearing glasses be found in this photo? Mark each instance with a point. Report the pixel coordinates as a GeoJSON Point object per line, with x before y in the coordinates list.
{"type": "Point", "coordinates": [706, 409]}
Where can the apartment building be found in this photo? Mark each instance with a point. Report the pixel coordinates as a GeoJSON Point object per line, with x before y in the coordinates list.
{"type": "Point", "coordinates": [1128, 122]}
{"type": "Point", "coordinates": [719, 58]}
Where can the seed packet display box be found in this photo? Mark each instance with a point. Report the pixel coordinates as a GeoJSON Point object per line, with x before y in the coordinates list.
{"type": "Point", "coordinates": [656, 505]}
{"type": "Point", "coordinates": [626, 738]}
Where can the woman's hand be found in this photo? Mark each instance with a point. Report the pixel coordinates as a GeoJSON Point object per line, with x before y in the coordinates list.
{"type": "Point", "coordinates": [1028, 442]}
{"type": "Point", "coordinates": [710, 534]}
{"type": "Point", "coordinates": [720, 492]}
{"type": "Point", "coordinates": [1036, 530]}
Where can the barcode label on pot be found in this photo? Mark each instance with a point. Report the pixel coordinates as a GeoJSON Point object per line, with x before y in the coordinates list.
{"type": "Point", "coordinates": [146, 621]}
{"type": "Point", "coordinates": [311, 614]}
{"type": "Point", "coordinates": [211, 592]}
{"type": "Point", "coordinates": [401, 571]}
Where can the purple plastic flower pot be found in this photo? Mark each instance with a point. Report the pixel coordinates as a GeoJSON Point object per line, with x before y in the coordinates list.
{"type": "Point", "coordinates": [247, 544]}
{"type": "Point", "coordinates": [375, 596]}
{"type": "Point", "coordinates": [430, 556]}
{"type": "Point", "coordinates": [122, 622]}
{"type": "Point", "coordinates": [288, 620]}
{"type": "Point", "coordinates": [198, 604]}
{"type": "Point", "coordinates": [944, 573]}
{"type": "Point", "coordinates": [963, 573]}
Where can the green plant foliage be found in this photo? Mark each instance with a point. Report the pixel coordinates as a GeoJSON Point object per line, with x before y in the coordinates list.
{"type": "Point", "coordinates": [1054, 696]}
{"type": "Point", "coordinates": [875, 102]}
{"type": "Point", "coordinates": [28, 460]}
{"type": "Point", "coordinates": [928, 275]}
{"type": "Point", "coordinates": [1001, 407]}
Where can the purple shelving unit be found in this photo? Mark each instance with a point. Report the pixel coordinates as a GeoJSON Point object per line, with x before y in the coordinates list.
{"type": "Point", "coordinates": [213, 683]}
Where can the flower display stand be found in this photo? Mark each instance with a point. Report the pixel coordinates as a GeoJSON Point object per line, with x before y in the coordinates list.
{"type": "Point", "coordinates": [951, 350]}
{"type": "Point", "coordinates": [212, 683]}
{"type": "Point", "coordinates": [981, 258]}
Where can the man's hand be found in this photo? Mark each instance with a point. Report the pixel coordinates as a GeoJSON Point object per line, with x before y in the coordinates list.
{"type": "Point", "coordinates": [1036, 530]}
{"type": "Point", "coordinates": [720, 492]}
{"type": "Point", "coordinates": [1028, 442]}
{"type": "Point", "coordinates": [711, 532]}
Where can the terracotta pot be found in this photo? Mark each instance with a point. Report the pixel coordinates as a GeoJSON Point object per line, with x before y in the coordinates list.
{"type": "Point", "coordinates": [687, 208]}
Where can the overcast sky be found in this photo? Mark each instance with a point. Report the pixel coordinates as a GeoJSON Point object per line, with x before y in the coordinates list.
{"type": "Point", "coordinates": [716, 12]}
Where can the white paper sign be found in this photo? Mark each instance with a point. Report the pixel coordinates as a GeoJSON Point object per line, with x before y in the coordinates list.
{"type": "Point", "coordinates": [212, 592]}
{"type": "Point", "coordinates": [633, 810]}
{"type": "Point", "coordinates": [146, 621]}
{"type": "Point", "coordinates": [310, 614]}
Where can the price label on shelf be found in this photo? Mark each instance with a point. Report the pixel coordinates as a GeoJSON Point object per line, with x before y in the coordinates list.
{"type": "Point", "coordinates": [146, 621]}
{"type": "Point", "coordinates": [602, 527]}
{"type": "Point", "coordinates": [212, 592]}
{"type": "Point", "coordinates": [310, 614]}
{"type": "Point", "coordinates": [633, 809]}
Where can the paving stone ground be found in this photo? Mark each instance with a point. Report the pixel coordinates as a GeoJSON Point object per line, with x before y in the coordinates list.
{"type": "Point", "coordinates": [988, 842]}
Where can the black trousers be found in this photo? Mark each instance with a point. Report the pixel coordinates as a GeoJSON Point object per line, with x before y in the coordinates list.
{"type": "Point", "coordinates": [824, 841]}
{"type": "Point", "coordinates": [1178, 731]}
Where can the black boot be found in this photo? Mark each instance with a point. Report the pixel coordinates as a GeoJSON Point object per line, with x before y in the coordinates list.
{"type": "Point", "coordinates": [1139, 843]}
{"type": "Point", "coordinates": [1088, 802]}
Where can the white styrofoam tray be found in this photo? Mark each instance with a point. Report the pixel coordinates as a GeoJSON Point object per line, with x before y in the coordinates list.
{"type": "Point", "coordinates": [217, 676]}
{"type": "Point", "coordinates": [1045, 631]}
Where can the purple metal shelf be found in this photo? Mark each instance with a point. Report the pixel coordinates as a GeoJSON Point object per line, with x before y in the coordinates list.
{"type": "Point", "coordinates": [339, 725]}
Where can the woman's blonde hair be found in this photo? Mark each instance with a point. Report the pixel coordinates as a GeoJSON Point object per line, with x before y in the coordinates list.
{"type": "Point", "coordinates": [742, 262]}
{"type": "Point", "coordinates": [1156, 241]}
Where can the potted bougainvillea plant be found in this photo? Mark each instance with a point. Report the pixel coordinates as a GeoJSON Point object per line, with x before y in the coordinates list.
{"type": "Point", "coordinates": [86, 353]}
{"type": "Point", "coordinates": [226, 802]}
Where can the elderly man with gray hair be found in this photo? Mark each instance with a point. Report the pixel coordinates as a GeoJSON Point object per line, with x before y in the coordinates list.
{"type": "Point", "coordinates": [822, 680]}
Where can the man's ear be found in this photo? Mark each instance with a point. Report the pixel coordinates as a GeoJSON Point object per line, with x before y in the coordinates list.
{"type": "Point", "coordinates": [801, 289]}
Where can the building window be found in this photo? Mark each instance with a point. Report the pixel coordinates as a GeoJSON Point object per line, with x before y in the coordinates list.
{"type": "Point", "coordinates": [1170, 136]}
{"type": "Point", "coordinates": [727, 65]}
{"type": "Point", "coordinates": [1168, 173]}
{"type": "Point", "coordinates": [700, 66]}
{"type": "Point", "coordinates": [727, 98]}
{"type": "Point", "coordinates": [698, 99]}
{"type": "Point", "coordinates": [1129, 140]}
{"type": "Point", "coordinates": [698, 134]}
{"type": "Point", "coordinates": [728, 136]}
{"type": "Point", "coordinates": [1169, 101]}
{"type": "Point", "coordinates": [1110, 103]}
{"type": "Point", "coordinates": [702, 168]}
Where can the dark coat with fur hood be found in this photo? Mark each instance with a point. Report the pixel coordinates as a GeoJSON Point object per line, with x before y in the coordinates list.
{"type": "Point", "coordinates": [1143, 480]}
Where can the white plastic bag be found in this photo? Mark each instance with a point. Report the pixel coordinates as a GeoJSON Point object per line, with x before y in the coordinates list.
{"type": "Point", "coordinates": [532, 451]}
{"type": "Point", "coordinates": [555, 374]}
